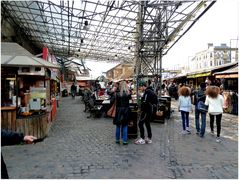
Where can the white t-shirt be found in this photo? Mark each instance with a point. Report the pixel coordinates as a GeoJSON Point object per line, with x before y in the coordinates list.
{"type": "Point", "coordinates": [215, 104]}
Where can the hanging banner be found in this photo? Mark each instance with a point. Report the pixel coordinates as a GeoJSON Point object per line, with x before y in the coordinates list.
{"type": "Point", "coordinates": [45, 53]}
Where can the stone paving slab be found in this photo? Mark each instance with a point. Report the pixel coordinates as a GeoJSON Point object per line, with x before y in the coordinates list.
{"type": "Point", "coordinates": [80, 147]}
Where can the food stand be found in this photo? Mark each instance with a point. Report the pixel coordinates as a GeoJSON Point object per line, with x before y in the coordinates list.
{"type": "Point", "coordinates": [25, 105]}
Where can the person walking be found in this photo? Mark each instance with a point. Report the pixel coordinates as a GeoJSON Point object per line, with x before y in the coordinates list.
{"type": "Point", "coordinates": [200, 95]}
{"type": "Point", "coordinates": [122, 97]}
{"type": "Point", "coordinates": [148, 100]}
{"type": "Point", "coordinates": [12, 138]}
{"type": "Point", "coordinates": [73, 90]}
{"type": "Point", "coordinates": [185, 106]}
{"type": "Point", "coordinates": [215, 101]}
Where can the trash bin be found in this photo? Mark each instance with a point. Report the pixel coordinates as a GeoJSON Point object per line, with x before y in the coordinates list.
{"type": "Point", "coordinates": [168, 106]}
{"type": "Point", "coordinates": [133, 123]}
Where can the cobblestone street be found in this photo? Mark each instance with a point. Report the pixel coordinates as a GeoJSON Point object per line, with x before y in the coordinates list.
{"type": "Point", "coordinates": [81, 147]}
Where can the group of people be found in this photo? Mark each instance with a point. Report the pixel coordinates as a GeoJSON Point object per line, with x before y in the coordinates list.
{"type": "Point", "coordinates": [148, 101]}
{"type": "Point", "coordinates": [208, 96]}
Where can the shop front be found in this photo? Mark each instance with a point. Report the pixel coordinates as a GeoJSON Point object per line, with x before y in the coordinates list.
{"type": "Point", "coordinates": [229, 79]}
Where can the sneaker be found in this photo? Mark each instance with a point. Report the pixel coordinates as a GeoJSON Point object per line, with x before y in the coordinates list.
{"type": "Point", "coordinates": [218, 139]}
{"type": "Point", "coordinates": [139, 141]}
{"type": "Point", "coordinates": [117, 141]}
{"type": "Point", "coordinates": [148, 141]}
{"type": "Point", "coordinates": [212, 133]}
{"type": "Point", "coordinates": [188, 131]}
{"type": "Point", "coordinates": [198, 132]}
{"type": "Point", "coordinates": [201, 136]}
{"type": "Point", "coordinates": [184, 132]}
{"type": "Point", "coordinates": [125, 143]}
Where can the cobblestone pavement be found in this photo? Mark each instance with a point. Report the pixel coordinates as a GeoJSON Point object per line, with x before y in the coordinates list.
{"type": "Point", "coordinates": [81, 147]}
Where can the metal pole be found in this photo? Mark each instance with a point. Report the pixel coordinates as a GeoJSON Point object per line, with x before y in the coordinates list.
{"type": "Point", "coordinates": [138, 54]}
{"type": "Point", "coordinates": [160, 71]}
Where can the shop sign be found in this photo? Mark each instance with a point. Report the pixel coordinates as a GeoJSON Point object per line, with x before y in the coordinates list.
{"type": "Point", "coordinates": [227, 76]}
{"type": "Point", "coordinates": [199, 75]}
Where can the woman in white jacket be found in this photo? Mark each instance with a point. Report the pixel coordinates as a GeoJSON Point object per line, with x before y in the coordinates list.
{"type": "Point", "coordinates": [215, 102]}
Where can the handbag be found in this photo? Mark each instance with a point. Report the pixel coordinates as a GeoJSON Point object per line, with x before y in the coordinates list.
{"type": "Point", "coordinates": [112, 111]}
{"type": "Point", "coordinates": [202, 107]}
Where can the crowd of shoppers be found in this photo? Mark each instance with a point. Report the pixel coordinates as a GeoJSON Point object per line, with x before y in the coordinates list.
{"type": "Point", "coordinates": [211, 98]}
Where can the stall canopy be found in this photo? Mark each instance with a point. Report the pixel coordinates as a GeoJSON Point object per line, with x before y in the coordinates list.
{"type": "Point", "coordinates": [21, 57]}
{"type": "Point", "coordinates": [230, 73]}
{"type": "Point", "coordinates": [210, 71]}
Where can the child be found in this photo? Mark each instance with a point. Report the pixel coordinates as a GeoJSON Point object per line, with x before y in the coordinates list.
{"type": "Point", "coordinates": [184, 106]}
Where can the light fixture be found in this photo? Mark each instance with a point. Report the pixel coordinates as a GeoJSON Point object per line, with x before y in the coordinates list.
{"type": "Point", "coordinates": [81, 41]}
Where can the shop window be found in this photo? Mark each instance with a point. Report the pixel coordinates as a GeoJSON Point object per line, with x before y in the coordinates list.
{"type": "Point", "coordinates": [37, 68]}
{"type": "Point", "coordinates": [25, 69]}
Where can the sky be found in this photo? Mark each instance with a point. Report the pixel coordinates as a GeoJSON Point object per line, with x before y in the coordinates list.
{"type": "Point", "coordinates": [220, 24]}
{"type": "Point", "coordinates": [97, 68]}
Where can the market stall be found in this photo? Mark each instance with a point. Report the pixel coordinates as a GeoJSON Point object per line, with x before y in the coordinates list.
{"type": "Point", "coordinates": [26, 101]}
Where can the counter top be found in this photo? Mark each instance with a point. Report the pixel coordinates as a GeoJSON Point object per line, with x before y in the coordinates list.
{"type": "Point", "coordinates": [8, 108]}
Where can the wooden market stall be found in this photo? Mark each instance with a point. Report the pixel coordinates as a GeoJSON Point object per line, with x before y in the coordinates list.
{"type": "Point", "coordinates": [26, 102]}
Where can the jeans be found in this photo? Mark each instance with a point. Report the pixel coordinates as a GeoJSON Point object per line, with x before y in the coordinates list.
{"type": "Point", "coordinates": [124, 130]}
{"type": "Point", "coordinates": [197, 122]}
{"type": "Point", "coordinates": [185, 119]}
{"type": "Point", "coordinates": [145, 119]}
{"type": "Point", "coordinates": [218, 122]}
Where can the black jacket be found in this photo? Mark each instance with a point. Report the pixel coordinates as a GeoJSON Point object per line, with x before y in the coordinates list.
{"type": "Point", "coordinates": [149, 98]}
{"type": "Point", "coordinates": [8, 138]}
{"type": "Point", "coordinates": [122, 108]}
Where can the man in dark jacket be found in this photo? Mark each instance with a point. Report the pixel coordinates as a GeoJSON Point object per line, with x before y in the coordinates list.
{"type": "Point", "coordinates": [199, 95]}
{"type": "Point", "coordinates": [12, 138]}
{"type": "Point", "coordinates": [148, 100]}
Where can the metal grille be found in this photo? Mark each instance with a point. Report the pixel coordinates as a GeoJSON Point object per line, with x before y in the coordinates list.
{"type": "Point", "coordinates": [106, 30]}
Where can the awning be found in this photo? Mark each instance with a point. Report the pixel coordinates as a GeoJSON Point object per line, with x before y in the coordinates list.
{"type": "Point", "coordinates": [229, 73]}
{"type": "Point", "coordinates": [199, 75]}
{"type": "Point", "coordinates": [25, 61]}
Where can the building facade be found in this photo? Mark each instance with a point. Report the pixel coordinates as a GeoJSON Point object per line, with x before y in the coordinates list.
{"type": "Point", "coordinates": [213, 56]}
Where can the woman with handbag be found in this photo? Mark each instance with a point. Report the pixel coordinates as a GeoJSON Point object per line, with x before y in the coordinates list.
{"type": "Point", "coordinates": [123, 96]}
{"type": "Point", "coordinates": [215, 102]}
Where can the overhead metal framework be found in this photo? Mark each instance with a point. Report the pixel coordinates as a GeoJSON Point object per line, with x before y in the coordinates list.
{"type": "Point", "coordinates": [138, 32]}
